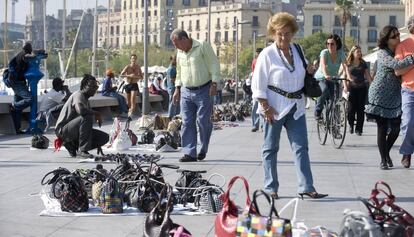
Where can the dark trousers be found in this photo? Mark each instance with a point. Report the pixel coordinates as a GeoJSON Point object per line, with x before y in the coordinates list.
{"type": "Point", "coordinates": [356, 106]}
{"type": "Point", "coordinates": [80, 129]}
{"type": "Point", "coordinates": [388, 130]}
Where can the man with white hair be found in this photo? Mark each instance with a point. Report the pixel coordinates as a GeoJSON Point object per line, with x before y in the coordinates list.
{"type": "Point", "coordinates": [406, 49]}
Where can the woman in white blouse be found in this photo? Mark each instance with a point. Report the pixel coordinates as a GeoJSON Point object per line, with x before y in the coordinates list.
{"type": "Point", "coordinates": [277, 84]}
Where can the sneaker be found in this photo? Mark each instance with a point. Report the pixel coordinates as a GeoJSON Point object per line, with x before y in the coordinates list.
{"type": "Point", "coordinates": [187, 158]}
{"type": "Point", "coordinates": [85, 155]}
{"type": "Point", "coordinates": [255, 129]}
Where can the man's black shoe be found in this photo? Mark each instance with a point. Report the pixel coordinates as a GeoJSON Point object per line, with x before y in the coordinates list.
{"type": "Point", "coordinates": [255, 129]}
{"type": "Point", "coordinates": [201, 156]}
{"type": "Point", "coordinates": [187, 158]}
{"type": "Point", "coordinates": [71, 147]}
{"type": "Point", "coordinates": [85, 155]}
{"type": "Point", "coordinates": [20, 132]}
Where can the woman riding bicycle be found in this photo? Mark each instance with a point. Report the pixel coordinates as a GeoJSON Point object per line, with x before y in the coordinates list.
{"type": "Point", "coordinates": [330, 61]}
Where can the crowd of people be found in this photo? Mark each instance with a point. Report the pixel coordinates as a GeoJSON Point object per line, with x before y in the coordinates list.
{"type": "Point", "coordinates": [193, 84]}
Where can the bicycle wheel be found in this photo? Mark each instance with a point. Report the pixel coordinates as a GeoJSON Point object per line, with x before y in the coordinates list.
{"type": "Point", "coordinates": [322, 127]}
{"type": "Point", "coordinates": [338, 124]}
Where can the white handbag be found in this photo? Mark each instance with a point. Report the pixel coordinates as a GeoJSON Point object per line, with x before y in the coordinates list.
{"type": "Point", "coordinates": [122, 141]}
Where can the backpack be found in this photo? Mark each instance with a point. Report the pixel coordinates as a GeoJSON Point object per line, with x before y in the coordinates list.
{"type": "Point", "coordinates": [6, 78]}
{"type": "Point", "coordinates": [10, 73]}
{"type": "Point", "coordinates": [72, 194]}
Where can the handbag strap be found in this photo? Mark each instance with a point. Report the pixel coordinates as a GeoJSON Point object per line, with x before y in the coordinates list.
{"type": "Point", "coordinates": [227, 201]}
{"type": "Point", "coordinates": [295, 202]}
{"type": "Point", "coordinates": [270, 200]}
{"type": "Point", "coordinates": [302, 56]}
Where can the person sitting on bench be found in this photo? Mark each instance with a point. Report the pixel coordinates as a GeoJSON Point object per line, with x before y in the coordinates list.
{"type": "Point", "coordinates": [75, 122]}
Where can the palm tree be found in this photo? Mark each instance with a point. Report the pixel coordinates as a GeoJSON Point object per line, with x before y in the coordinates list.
{"type": "Point", "coordinates": [344, 7]}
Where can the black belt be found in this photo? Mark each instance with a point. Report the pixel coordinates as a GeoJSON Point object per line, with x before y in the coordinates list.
{"type": "Point", "coordinates": [290, 95]}
{"type": "Point", "coordinates": [198, 87]}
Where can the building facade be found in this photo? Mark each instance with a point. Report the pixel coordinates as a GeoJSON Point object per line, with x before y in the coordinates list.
{"type": "Point", "coordinates": [224, 18]}
{"type": "Point", "coordinates": [34, 27]}
{"type": "Point", "coordinates": [365, 23]}
{"type": "Point", "coordinates": [409, 9]}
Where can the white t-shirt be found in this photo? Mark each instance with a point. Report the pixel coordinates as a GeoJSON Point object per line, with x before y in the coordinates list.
{"type": "Point", "coordinates": [51, 99]}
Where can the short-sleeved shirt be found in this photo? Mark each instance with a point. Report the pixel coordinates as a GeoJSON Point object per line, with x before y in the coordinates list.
{"type": "Point", "coordinates": [197, 66]}
{"type": "Point", "coordinates": [50, 100]}
{"type": "Point", "coordinates": [68, 112]}
{"type": "Point", "coordinates": [332, 67]}
{"type": "Point", "coordinates": [404, 49]}
{"type": "Point", "coordinates": [136, 70]}
{"type": "Point", "coordinates": [358, 74]}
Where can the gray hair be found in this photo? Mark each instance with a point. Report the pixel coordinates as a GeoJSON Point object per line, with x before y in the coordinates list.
{"type": "Point", "coordinates": [179, 33]}
{"type": "Point", "coordinates": [410, 24]}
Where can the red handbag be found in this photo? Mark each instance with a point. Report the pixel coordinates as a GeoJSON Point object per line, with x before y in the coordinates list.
{"type": "Point", "coordinates": [226, 219]}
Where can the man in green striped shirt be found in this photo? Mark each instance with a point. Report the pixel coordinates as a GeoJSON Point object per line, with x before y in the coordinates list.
{"type": "Point", "coordinates": [198, 71]}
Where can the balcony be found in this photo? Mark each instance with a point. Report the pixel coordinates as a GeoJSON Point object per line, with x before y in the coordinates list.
{"type": "Point", "coordinates": [189, 29]}
{"type": "Point", "coordinates": [226, 26]}
{"type": "Point", "coordinates": [218, 27]}
{"type": "Point", "coordinates": [197, 28]}
{"type": "Point", "coordinates": [123, 32]}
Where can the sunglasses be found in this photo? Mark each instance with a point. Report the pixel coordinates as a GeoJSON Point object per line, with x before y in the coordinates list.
{"type": "Point", "coordinates": [396, 35]}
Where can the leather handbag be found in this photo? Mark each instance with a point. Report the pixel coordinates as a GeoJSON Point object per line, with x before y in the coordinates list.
{"type": "Point", "coordinates": [356, 223]}
{"type": "Point", "coordinates": [311, 85]}
{"type": "Point", "coordinates": [226, 219]}
{"type": "Point", "coordinates": [131, 134]}
{"type": "Point", "coordinates": [258, 225]}
{"type": "Point", "coordinates": [122, 141]}
{"type": "Point", "coordinates": [72, 194]}
{"type": "Point", "coordinates": [111, 198]}
{"type": "Point", "coordinates": [40, 142]}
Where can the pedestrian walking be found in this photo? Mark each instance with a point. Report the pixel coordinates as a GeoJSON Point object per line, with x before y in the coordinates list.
{"type": "Point", "coordinates": [132, 74]}
{"type": "Point", "coordinates": [403, 50]}
{"type": "Point", "coordinates": [357, 72]}
{"type": "Point", "coordinates": [277, 84]}
{"type": "Point", "coordinates": [75, 122]}
{"type": "Point", "coordinates": [111, 91]}
{"type": "Point", "coordinates": [22, 96]}
{"type": "Point", "coordinates": [173, 109]}
{"type": "Point", "coordinates": [255, 115]}
{"type": "Point", "coordinates": [384, 95]}
{"type": "Point", "coordinates": [198, 71]}
{"type": "Point", "coordinates": [331, 59]}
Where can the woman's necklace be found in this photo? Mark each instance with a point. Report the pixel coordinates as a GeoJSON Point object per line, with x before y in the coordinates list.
{"type": "Point", "coordinates": [290, 67]}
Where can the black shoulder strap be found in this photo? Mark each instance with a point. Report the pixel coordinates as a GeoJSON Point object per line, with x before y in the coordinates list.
{"type": "Point", "coordinates": [299, 49]}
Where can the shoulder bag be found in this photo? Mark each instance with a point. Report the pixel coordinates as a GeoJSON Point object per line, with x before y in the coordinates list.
{"type": "Point", "coordinates": [311, 87]}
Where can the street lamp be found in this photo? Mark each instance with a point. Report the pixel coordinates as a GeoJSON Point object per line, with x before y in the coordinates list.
{"type": "Point", "coordinates": [359, 9]}
{"type": "Point", "coordinates": [236, 91]}
{"type": "Point", "coordinates": [254, 41]}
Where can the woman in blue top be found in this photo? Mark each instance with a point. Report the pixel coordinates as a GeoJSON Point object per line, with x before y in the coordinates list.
{"type": "Point", "coordinates": [330, 61]}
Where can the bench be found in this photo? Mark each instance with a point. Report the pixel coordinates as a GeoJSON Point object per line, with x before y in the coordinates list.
{"type": "Point", "coordinates": [103, 104]}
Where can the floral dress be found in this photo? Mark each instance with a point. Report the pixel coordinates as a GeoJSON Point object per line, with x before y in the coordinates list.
{"type": "Point", "coordinates": [384, 96]}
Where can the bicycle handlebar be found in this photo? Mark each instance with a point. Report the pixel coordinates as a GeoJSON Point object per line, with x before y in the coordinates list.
{"type": "Point", "coordinates": [339, 79]}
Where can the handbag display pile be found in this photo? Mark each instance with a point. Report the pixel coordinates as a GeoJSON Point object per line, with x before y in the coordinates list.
{"type": "Point", "coordinates": [232, 112]}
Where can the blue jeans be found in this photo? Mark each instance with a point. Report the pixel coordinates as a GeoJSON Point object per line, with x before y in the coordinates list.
{"type": "Point", "coordinates": [327, 88]}
{"type": "Point", "coordinates": [407, 122]}
{"type": "Point", "coordinates": [255, 116]}
{"type": "Point", "coordinates": [22, 99]}
{"type": "Point", "coordinates": [297, 135]}
{"type": "Point", "coordinates": [218, 97]}
{"type": "Point", "coordinates": [196, 110]}
{"type": "Point", "coordinates": [172, 109]}
{"type": "Point", "coordinates": [123, 107]}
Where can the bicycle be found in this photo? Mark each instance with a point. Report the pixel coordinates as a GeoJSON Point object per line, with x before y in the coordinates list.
{"type": "Point", "coordinates": [333, 117]}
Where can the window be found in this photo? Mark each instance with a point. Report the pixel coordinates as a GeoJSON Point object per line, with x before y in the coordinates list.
{"type": "Point", "coordinates": [354, 21]}
{"type": "Point", "coordinates": [155, 13]}
{"type": "Point", "coordinates": [190, 26]}
{"type": "Point", "coordinates": [125, 3]}
{"type": "Point", "coordinates": [234, 21]}
{"type": "Point", "coordinates": [170, 2]}
{"type": "Point", "coordinates": [117, 31]}
{"type": "Point", "coordinates": [182, 25]}
{"type": "Point", "coordinates": [354, 34]}
{"type": "Point", "coordinates": [198, 36]}
{"type": "Point", "coordinates": [112, 30]}
{"type": "Point", "coordinates": [337, 31]}
{"type": "Point", "coordinates": [130, 4]}
{"type": "Point", "coordinates": [155, 3]}
{"type": "Point", "coordinates": [372, 21]}
{"type": "Point", "coordinates": [337, 21]}
{"type": "Point", "coordinates": [142, 3]}
{"type": "Point", "coordinates": [393, 20]}
{"type": "Point", "coordinates": [218, 24]}
{"type": "Point", "coordinates": [202, 3]}
{"type": "Point", "coordinates": [317, 20]}
{"type": "Point", "coordinates": [155, 39]}
{"type": "Point", "coordinates": [234, 35]}
{"type": "Point", "coordinates": [170, 13]}
{"type": "Point", "coordinates": [314, 31]}
{"type": "Point", "coordinates": [217, 37]}
{"type": "Point", "coordinates": [226, 36]}
{"type": "Point", "coordinates": [197, 24]}
{"type": "Point", "coordinates": [186, 2]}
{"type": "Point", "coordinates": [372, 36]}
{"type": "Point", "coordinates": [255, 21]}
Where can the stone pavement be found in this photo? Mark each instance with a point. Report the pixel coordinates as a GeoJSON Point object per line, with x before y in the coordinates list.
{"type": "Point", "coordinates": [344, 174]}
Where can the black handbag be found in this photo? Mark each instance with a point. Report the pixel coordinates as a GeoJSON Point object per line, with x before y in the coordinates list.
{"type": "Point", "coordinates": [311, 87]}
{"type": "Point", "coordinates": [40, 142]}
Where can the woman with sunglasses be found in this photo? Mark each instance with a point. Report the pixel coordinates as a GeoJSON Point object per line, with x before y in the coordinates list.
{"type": "Point", "coordinates": [358, 73]}
{"type": "Point", "coordinates": [384, 95]}
{"type": "Point", "coordinates": [331, 60]}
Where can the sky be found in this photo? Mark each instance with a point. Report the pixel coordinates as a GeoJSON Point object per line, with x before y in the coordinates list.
{"type": "Point", "coordinates": [52, 6]}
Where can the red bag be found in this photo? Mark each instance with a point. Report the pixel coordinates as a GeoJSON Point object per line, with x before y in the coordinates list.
{"type": "Point", "coordinates": [226, 219]}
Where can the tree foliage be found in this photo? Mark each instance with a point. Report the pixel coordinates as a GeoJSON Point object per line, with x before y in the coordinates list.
{"type": "Point", "coordinates": [344, 7]}
{"type": "Point", "coordinates": [313, 45]}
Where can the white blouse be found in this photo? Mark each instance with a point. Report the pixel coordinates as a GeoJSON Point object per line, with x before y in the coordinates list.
{"type": "Point", "coordinates": [270, 70]}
